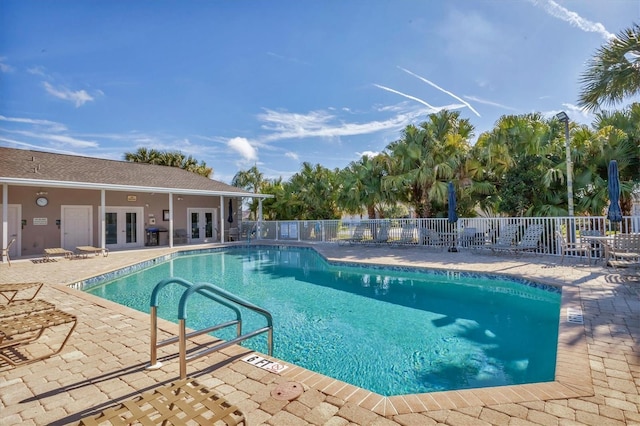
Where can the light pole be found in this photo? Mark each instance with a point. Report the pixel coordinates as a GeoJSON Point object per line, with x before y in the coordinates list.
{"type": "Point", "coordinates": [562, 116]}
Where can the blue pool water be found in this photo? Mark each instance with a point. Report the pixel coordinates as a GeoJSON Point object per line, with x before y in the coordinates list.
{"type": "Point", "coordinates": [391, 331]}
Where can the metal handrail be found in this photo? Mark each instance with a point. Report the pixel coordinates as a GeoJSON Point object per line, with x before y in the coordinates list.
{"type": "Point", "coordinates": [216, 294]}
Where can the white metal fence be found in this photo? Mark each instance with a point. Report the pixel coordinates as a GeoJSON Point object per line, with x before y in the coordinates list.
{"type": "Point", "coordinates": [466, 233]}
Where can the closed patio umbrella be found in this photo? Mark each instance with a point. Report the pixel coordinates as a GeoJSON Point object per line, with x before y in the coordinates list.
{"type": "Point", "coordinates": [230, 218]}
{"type": "Point", "coordinates": [615, 212]}
{"type": "Point", "coordinates": [452, 215]}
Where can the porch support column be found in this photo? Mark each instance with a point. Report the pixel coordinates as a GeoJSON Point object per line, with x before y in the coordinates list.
{"type": "Point", "coordinates": [103, 223]}
{"type": "Point", "coordinates": [222, 219]}
{"type": "Point", "coordinates": [259, 227]}
{"type": "Point", "coordinates": [5, 217]}
{"type": "Point", "coordinates": [170, 220]}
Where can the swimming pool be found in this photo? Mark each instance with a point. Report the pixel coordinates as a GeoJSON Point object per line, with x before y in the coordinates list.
{"type": "Point", "coordinates": [392, 331]}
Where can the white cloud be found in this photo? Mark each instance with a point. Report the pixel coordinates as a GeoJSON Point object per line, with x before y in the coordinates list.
{"type": "Point", "coordinates": [575, 20]}
{"type": "Point", "coordinates": [292, 155]}
{"type": "Point", "coordinates": [79, 97]}
{"type": "Point", "coordinates": [4, 67]}
{"type": "Point", "coordinates": [61, 139]}
{"type": "Point", "coordinates": [37, 71]}
{"type": "Point", "coordinates": [369, 154]}
{"type": "Point", "coordinates": [286, 125]}
{"type": "Point", "coordinates": [456, 97]}
{"type": "Point", "coordinates": [13, 142]}
{"type": "Point", "coordinates": [244, 148]}
{"type": "Point", "coordinates": [52, 125]}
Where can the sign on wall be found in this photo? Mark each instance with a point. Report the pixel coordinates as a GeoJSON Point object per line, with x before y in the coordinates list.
{"type": "Point", "coordinates": [40, 221]}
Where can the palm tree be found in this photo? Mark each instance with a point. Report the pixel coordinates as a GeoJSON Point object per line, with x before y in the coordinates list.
{"type": "Point", "coordinates": [361, 186]}
{"type": "Point", "coordinates": [425, 159]}
{"type": "Point", "coordinates": [524, 169]}
{"type": "Point", "coordinates": [614, 71]}
{"type": "Point", "coordinates": [169, 158]}
{"type": "Point", "coordinates": [250, 180]}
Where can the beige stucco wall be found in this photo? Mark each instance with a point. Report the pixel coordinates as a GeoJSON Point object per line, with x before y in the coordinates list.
{"type": "Point", "coordinates": [36, 237]}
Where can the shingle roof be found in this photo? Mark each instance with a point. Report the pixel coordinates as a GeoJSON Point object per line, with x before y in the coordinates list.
{"type": "Point", "coordinates": [38, 167]}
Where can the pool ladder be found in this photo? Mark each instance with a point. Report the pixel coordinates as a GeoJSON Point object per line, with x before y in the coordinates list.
{"type": "Point", "coordinates": [216, 294]}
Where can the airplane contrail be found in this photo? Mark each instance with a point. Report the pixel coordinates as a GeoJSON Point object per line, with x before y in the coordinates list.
{"type": "Point", "coordinates": [442, 90]}
{"type": "Point", "coordinates": [406, 96]}
{"type": "Point", "coordinates": [562, 13]}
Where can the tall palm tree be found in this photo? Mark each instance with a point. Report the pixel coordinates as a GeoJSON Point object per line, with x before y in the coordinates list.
{"type": "Point", "coordinates": [523, 164]}
{"type": "Point", "coordinates": [613, 73]}
{"type": "Point", "coordinates": [422, 162]}
{"type": "Point", "coordinates": [361, 186]}
{"type": "Point", "coordinates": [250, 180]}
{"type": "Point", "coordinates": [169, 158]}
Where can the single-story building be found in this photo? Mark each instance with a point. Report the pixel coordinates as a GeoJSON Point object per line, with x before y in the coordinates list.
{"type": "Point", "coordinates": [51, 200]}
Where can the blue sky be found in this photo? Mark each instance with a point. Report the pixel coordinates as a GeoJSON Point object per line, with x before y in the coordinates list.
{"type": "Point", "coordinates": [277, 83]}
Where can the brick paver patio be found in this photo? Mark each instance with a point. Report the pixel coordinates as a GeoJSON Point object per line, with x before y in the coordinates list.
{"type": "Point", "coordinates": [597, 377]}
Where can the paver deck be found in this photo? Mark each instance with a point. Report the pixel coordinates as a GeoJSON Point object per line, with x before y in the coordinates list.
{"type": "Point", "coordinates": [104, 362]}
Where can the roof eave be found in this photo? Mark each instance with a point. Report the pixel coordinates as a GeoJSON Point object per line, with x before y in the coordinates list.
{"type": "Point", "coordinates": [113, 187]}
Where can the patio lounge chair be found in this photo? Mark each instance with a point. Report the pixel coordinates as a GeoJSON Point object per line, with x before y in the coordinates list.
{"type": "Point", "coordinates": [180, 403]}
{"type": "Point", "coordinates": [382, 236]}
{"type": "Point", "coordinates": [18, 333]}
{"type": "Point", "coordinates": [624, 251]}
{"type": "Point", "coordinates": [57, 251]}
{"type": "Point", "coordinates": [357, 236]}
{"type": "Point", "coordinates": [530, 239]}
{"type": "Point", "coordinates": [431, 238]}
{"type": "Point", "coordinates": [87, 250]}
{"type": "Point", "coordinates": [471, 238]}
{"type": "Point", "coordinates": [579, 248]}
{"type": "Point", "coordinates": [11, 291]}
{"type": "Point", "coordinates": [25, 307]}
{"type": "Point", "coordinates": [180, 236]}
{"type": "Point", "coordinates": [506, 239]}
{"type": "Point", "coordinates": [5, 251]}
{"type": "Point", "coordinates": [407, 236]}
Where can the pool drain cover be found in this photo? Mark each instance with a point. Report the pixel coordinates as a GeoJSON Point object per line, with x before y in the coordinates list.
{"type": "Point", "coordinates": [287, 391]}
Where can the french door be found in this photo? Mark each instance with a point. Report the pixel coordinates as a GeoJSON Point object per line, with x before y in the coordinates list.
{"type": "Point", "coordinates": [124, 227]}
{"type": "Point", "coordinates": [202, 228]}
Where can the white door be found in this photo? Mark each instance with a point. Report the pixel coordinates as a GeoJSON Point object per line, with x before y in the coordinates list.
{"type": "Point", "coordinates": [124, 227]}
{"type": "Point", "coordinates": [14, 215]}
{"type": "Point", "coordinates": [202, 225]}
{"type": "Point", "coordinates": [76, 226]}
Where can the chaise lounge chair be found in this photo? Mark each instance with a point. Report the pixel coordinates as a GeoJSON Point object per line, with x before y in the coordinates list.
{"type": "Point", "coordinates": [530, 239]}
{"type": "Point", "coordinates": [624, 251]}
{"type": "Point", "coordinates": [24, 308]}
{"type": "Point", "coordinates": [87, 250]}
{"type": "Point", "coordinates": [180, 403]}
{"type": "Point", "coordinates": [21, 332]}
{"type": "Point", "coordinates": [407, 236]}
{"type": "Point", "coordinates": [357, 236]}
{"type": "Point", "coordinates": [506, 239]}
{"type": "Point", "coordinates": [11, 291]}
{"type": "Point", "coordinates": [381, 236]}
{"type": "Point", "coordinates": [57, 251]}
{"type": "Point", "coordinates": [431, 238]}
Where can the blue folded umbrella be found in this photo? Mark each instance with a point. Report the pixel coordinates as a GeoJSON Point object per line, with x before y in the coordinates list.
{"type": "Point", "coordinates": [615, 212]}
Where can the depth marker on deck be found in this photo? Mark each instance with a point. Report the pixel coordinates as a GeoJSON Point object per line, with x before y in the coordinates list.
{"type": "Point", "coordinates": [265, 364]}
{"type": "Point", "coordinates": [574, 316]}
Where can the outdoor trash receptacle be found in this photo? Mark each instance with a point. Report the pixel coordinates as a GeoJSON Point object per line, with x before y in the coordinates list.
{"type": "Point", "coordinates": [152, 236]}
